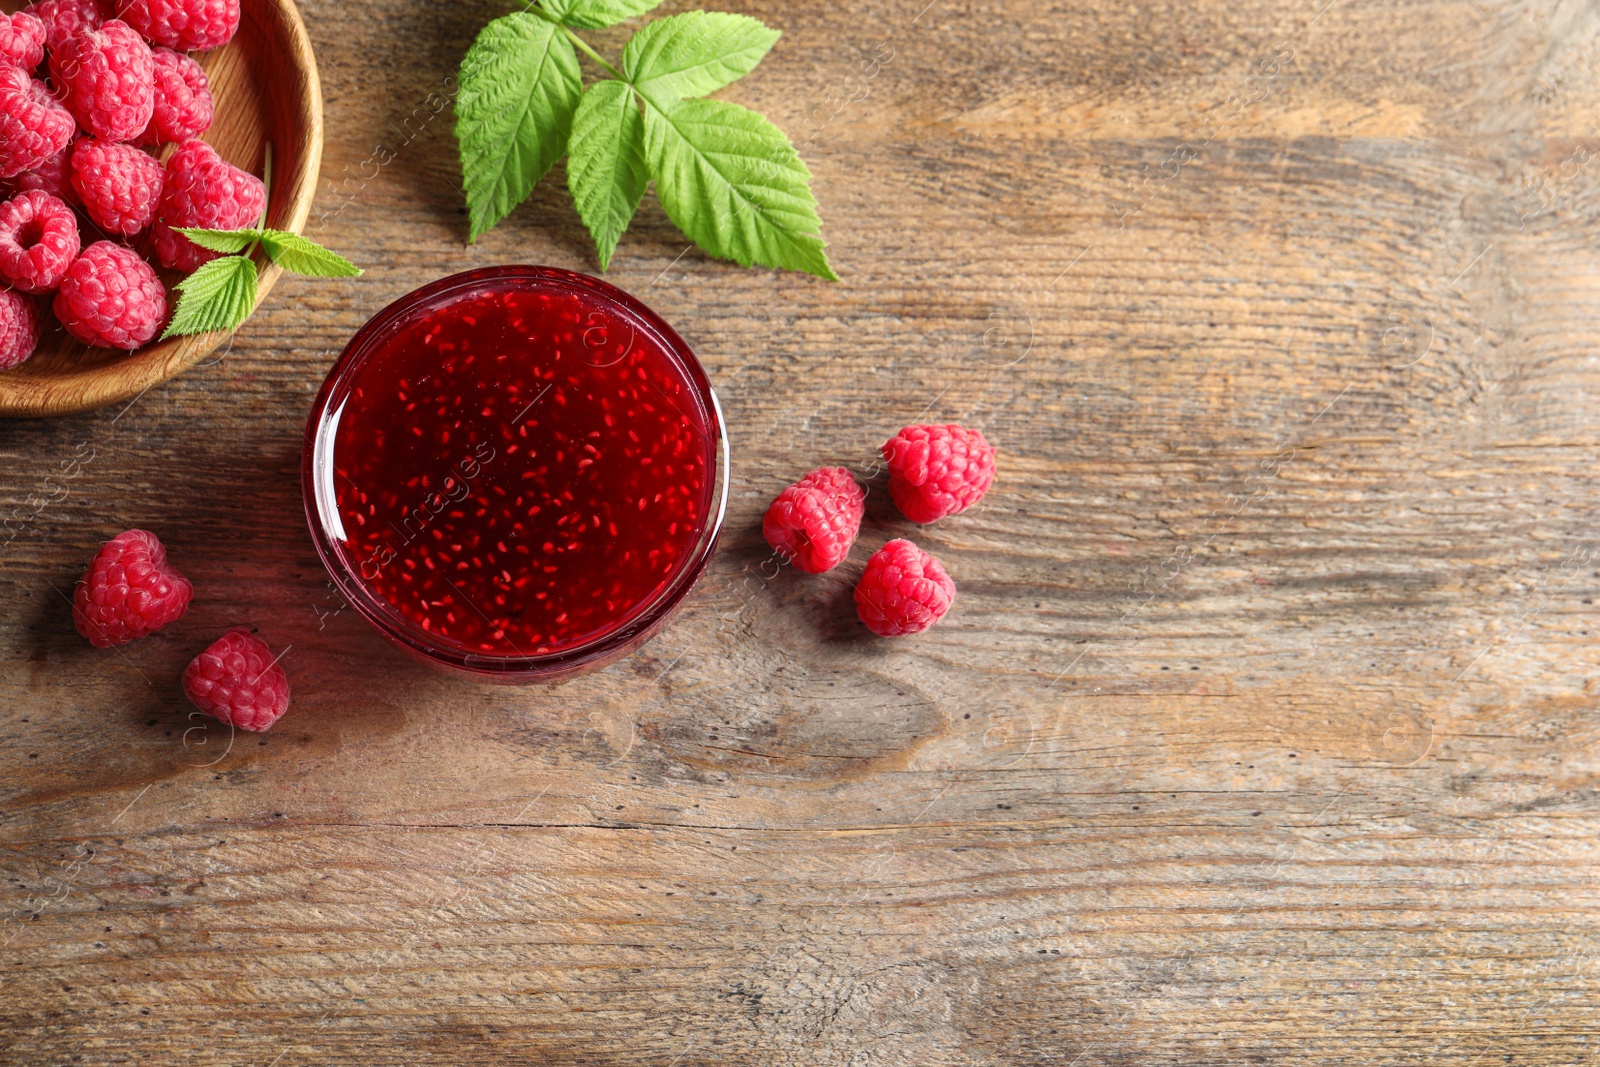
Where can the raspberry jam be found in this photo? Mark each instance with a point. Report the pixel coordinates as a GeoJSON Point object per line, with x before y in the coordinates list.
{"type": "Point", "coordinates": [517, 472]}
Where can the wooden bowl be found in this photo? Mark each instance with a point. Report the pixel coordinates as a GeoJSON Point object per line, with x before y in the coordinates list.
{"type": "Point", "coordinates": [267, 91]}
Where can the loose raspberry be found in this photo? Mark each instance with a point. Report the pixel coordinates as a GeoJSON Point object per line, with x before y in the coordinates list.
{"type": "Point", "coordinates": [120, 185]}
{"type": "Point", "coordinates": [38, 241]}
{"type": "Point", "coordinates": [129, 591]}
{"type": "Point", "coordinates": [238, 681]}
{"type": "Point", "coordinates": [111, 298]}
{"type": "Point", "coordinates": [64, 18]}
{"type": "Point", "coordinates": [53, 176]}
{"type": "Point", "coordinates": [936, 471]}
{"type": "Point", "coordinates": [184, 106]}
{"type": "Point", "coordinates": [21, 322]}
{"type": "Point", "coordinates": [904, 590]}
{"type": "Point", "coordinates": [203, 190]}
{"type": "Point", "coordinates": [107, 77]}
{"type": "Point", "coordinates": [814, 522]}
{"type": "Point", "coordinates": [22, 40]}
{"type": "Point", "coordinates": [33, 124]}
{"type": "Point", "coordinates": [182, 24]}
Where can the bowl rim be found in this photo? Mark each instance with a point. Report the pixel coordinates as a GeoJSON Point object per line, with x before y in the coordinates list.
{"type": "Point", "coordinates": [378, 612]}
{"type": "Point", "coordinates": [115, 381]}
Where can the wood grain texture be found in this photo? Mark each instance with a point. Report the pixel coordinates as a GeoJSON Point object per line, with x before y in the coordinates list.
{"type": "Point", "coordinates": [1263, 730]}
{"type": "Point", "coordinates": [268, 93]}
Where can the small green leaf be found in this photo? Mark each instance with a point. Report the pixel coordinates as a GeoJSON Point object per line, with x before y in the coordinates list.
{"type": "Point", "coordinates": [593, 14]}
{"type": "Point", "coordinates": [228, 242]}
{"type": "Point", "coordinates": [302, 256]}
{"type": "Point", "coordinates": [606, 171]}
{"type": "Point", "coordinates": [218, 296]}
{"type": "Point", "coordinates": [519, 86]}
{"type": "Point", "coordinates": [732, 181]}
{"type": "Point", "coordinates": [694, 53]}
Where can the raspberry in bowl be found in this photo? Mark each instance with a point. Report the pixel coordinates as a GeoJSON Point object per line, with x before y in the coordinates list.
{"type": "Point", "coordinates": [98, 102]}
{"type": "Point", "coordinates": [517, 473]}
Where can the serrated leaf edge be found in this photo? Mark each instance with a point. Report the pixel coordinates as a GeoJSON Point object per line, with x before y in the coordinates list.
{"type": "Point", "coordinates": [570, 19]}
{"type": "Point", "coordinates": [603, 253]}
{"type": "Point", "coordinates": [789, 235]}
{"type": "Point", "coordinates": [641, 86]}
{"type": "Point", "coordinates": [227, 242]}
{"type": "Point", "coordinates": [479, 223]}
{"type": "Point", "coordinates": [191, 294]}
{"type": "Point", "coordinates": [271, 239]}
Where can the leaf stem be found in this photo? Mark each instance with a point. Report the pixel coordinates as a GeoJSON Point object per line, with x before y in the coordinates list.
{"type": "Point", "coordinates": [266, 199]}
{"type": "Point", "coordinates": [580, 42]}
{"type": "Point", "coordinates": [592, 54]}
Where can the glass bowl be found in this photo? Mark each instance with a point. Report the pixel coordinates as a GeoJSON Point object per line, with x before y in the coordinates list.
{"type": "Point", "coordinates": [478, 546]}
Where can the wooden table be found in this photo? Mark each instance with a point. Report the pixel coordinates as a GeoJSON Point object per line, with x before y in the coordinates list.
{"type": "Point", "coordinates": [1264, 729]}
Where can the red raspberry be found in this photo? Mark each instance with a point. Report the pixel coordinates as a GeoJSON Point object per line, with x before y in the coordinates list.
{"type": "Point", "coordinates": [813, 523]}
{"type": "Point", "coordinates": [238, 681]}
{"type": "Point", "coordinates": [904, 590]}
{"type": "Point", "coordinates": [183, 24]}
{"type": "Point", "coordinates": [120, 185]}
{"type": "Point", "coordinates": [21, 322]}
{"type": "Point", "coordinates": [22, 40]}
{"type": "Point", "coordinates": [108, 78]}
{"type": "Point", "coordinates": [129, 591]}
{"type": "Point", "coordinates": [184, 106]}
{"type": "Point", "coordinates": [203, 190]}
{"type": "Point", "coordinates": [64, 18]}
{"type": "Point", "coordinates": [111, 298]}
{"type": "Point", "coordinates": [53, 176]}
{"type": "Point", "coordinates": [33, 124]}
{"type": "Point", "coordinates": [38, 241]}
{"type": "Point", "coordinates": [936, 471]}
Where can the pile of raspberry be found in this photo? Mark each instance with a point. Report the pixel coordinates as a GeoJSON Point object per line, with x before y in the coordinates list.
{"type": "Point", "coordinates": [91, 93]}
{"type": "Point", "coordinates": [934, 472]}
{"type": "Point", "coordinates": [130, 591]}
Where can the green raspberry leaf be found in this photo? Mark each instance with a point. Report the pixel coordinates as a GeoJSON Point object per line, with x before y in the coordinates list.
{"type": "Point", "coordinates": [228, 242]}
{"type": "Point", "coordinates": [218, 296]}
{"type": "Point", "coordinates": [593, 14]}
{"type": "Point", "coordinates": [606, 171]}
{"type": "Point", "coordinates": [695, 53]}
{"type": "Point", "coordinates": [302, 256]}
{"type": "Point", "coordinates": [519, 86]}
{"type": "Point", "coordinates": [732, 181]}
